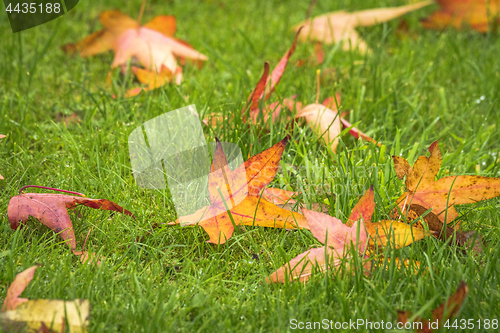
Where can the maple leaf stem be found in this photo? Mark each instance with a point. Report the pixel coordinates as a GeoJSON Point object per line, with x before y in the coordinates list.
{"type": "Point", "coordinates": [50, 188]}
{"type": "Point", "coordinates": [141, 12]}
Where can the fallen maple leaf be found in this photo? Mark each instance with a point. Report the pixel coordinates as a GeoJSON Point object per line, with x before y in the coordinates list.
{"type": "Point", "coordinates": [441, 314]}
{"type": "Point", "coordinates": [235, 197]}
{"type": "Point", "coordinates": [1, 137]}
{"type": "Point", "coordinates": [52, 211]}
{"type": "Point", "coordinates": [115, 23]}
{"type": "Point", "coordinates": [441, 195]}
{"type": "Point", "coordinates": [480, 15]}
{"type": "Point", "coordinates": [340, 26]}
{"type": "Point", "coordinates": [335, 235]}
{"type": "Point", "coordinates": [152, 44]}
{"type": "Point", "coordinates": [19, 314]}
{"type": "Point", "coordinates": [156, 52]}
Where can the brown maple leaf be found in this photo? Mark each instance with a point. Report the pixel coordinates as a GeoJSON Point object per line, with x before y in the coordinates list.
{"type": "Point", "coordinates": [441, 314]}
{"type": "Point", "coordinates": [443, 194]}
{"type": "Point", "coordinates": [480, 15]}
{"type": "Point", "coordinates": [235, 197]}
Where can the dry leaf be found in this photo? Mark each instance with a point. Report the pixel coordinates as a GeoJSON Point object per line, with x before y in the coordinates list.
{"type": "Point", "coordinates": [439, 316]}
{"type": "Point", "coordinates": [54, 314]}
{"type": "Point", "coordinates": [441, 195]}
{"type": "Point", "coordinates": [21, 314]}
{"type": "Point", "coordinates": [52, 211]}
{"type": "Point", "coordinates": [236, 194]}
{"type": "Point", "coordinates": [340, 26]}
{"type": "Point", "coordinates": [480, 15]}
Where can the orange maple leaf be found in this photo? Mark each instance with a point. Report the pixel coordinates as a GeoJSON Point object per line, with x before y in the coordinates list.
{"type": "Point", "coordinates": [152, 44]}
{"type": "Point", "coordinates": [235, 197]}
{"type": "Point", "coordinates": [422, 189]}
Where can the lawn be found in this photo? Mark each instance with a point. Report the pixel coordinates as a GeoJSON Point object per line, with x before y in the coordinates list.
{"type": "Point", "coordinates": [409, 92]}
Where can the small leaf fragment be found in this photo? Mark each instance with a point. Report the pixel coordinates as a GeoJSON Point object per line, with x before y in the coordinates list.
{"type": "Point", "coordinates": [441, 314]}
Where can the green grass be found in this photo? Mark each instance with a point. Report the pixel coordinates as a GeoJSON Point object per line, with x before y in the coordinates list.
{"type": "Point", "coordinates": [406, 94]}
